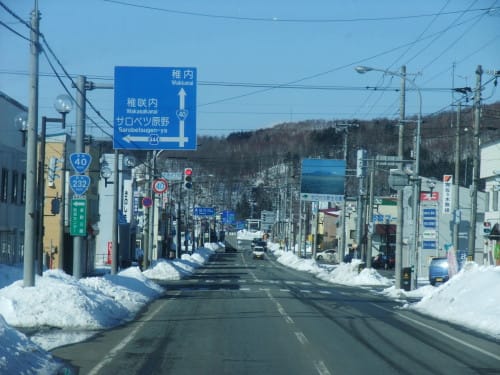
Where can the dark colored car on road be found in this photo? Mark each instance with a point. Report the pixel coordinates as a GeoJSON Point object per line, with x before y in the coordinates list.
{"type": "Point", "coordinates": [384, 261]}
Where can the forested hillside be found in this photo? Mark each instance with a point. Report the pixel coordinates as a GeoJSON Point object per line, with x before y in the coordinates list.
{"type": "Point", "coordinates": [243, 160]}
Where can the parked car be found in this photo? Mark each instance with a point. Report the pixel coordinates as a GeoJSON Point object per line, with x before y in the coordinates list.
{"type": "Point", "coordinates": [261, 243]}
{"type": "Point", "coordinates": [258, 252]}
{"type": "Point", "coordinates": [438, 271]}
{"type": "Point", "coordinates": [329, 255]}
{"type": "Point", "coordinates": [385, 261]}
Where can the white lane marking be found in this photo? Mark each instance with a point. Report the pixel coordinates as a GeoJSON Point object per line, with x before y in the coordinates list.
{"type": "Point", "coordinates": [301, 337]}
{"type": "Point", "coordinates": [321, 368]}
{"type": "Point", "coordinates": [289, 320]}
{"type": "Point", "coordinates": [447, 335]}
{"type": "Point", "coordinates": [245, 289]}
{"type": "Point", "coordinates": [118, 348]}
{"type": "Point", "coordinates": [305, 291]}
{"type": "Point", "coordinates": [284, 290]}
{"type": "Point", "coordinates": [325, 292]}
{"type": "Point", "coordinates": [226, 281]}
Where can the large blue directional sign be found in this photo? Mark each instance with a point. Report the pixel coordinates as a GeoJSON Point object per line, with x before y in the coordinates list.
{"type": "Point", "coordinates": [79, 183]}
{"type": "Point", "coordinates": [155, 108]}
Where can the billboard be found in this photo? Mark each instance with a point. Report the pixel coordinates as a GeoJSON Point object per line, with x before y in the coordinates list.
{"type": "Point", "coordinates": [322, 180]}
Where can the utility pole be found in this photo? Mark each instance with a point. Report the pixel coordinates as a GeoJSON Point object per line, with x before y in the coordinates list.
{"type": "Point", "coordinates": [79, 148]}
{"type": "Point", "coordinates": [341, 249]}
{"type": "Point", "coordinates": [456, 200]}
{"type": "Point", "coordinates": [475, 164]}
{"type": "Point", "coordinates": [370, 217]}
{"type": "Point", "coordinates": [360, 174]}
{"type": "Point", "coordinates": [30, 210]}
{"type": "Point", "coordinates": [399, 215]}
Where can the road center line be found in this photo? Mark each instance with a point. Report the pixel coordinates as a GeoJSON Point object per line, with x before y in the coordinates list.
{"type": "Point", "coordinates": [321, 368]}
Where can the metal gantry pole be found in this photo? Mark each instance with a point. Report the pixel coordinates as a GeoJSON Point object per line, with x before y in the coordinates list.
{"type": "Point", "coordinates": [114, 236]}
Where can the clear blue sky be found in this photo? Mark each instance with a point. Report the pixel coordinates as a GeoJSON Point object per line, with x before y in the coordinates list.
{"type": "Point", "coordinates": [240, 48]}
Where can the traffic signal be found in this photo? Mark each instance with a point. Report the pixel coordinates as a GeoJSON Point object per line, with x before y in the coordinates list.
{"type": "Point", "coordinates": [188, 178]}
{"type": "Point", "coordinates": [486, 228]}
{"type": "Point", "coordinates": [55, 206]}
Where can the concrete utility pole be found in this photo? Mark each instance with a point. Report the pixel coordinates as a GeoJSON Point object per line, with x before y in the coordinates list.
{"type": "Point", "coordinates": [369, 218]}
{"type": "Point", "coordinates": [79, 148]}
{"type": "Point", "coordinates": [399, 214]}
{"type": "Point", "coordinates": [342, 247]}
{"type": "Point", "coordinates": [30, 213]}
{"type": "Point", "coordinates": [360, 223]}
{"type": "Point", "coordinates": [475, 163]}
{"type": "Point", "coordinates": [456, 195]}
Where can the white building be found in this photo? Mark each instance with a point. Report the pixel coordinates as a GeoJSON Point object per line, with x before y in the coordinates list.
{"type": "Point", "coordinates": [125, 204]}
{"type": "Point", "coordinates": [490, 172]}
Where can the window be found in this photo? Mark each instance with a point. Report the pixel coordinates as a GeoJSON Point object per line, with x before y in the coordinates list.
{"type": "Point", "coordinates": [495, 206]}
{"type": "Point", "coordinates": [4, 185]}
{"type": "Point", "coordinates": [14, 189]}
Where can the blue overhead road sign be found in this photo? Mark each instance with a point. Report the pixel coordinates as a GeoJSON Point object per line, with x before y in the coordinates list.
{"type": "Point", "coordinates": [155, 108]}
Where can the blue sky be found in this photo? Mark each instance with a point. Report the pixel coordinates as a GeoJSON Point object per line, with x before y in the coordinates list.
{"type": "Point", "coordinates": [242, 49]}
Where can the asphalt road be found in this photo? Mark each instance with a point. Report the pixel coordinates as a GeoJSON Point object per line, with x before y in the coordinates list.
{"type": "Point", "coordinates": [238, 315]}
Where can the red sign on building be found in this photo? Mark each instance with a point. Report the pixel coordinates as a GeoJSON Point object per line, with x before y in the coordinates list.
{"type": "Point", "coordinates": [428, 196]}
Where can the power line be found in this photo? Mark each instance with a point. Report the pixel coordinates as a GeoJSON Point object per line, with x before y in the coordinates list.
{"type": "Point", "coordinates": [292, 20]}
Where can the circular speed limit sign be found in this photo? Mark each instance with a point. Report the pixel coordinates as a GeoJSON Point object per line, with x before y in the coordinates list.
{"type": "Point", "coordinates": [160, 185]}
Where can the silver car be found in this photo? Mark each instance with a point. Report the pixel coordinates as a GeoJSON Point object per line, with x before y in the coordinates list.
{"type": "Point", "coordinates": [329, 255]}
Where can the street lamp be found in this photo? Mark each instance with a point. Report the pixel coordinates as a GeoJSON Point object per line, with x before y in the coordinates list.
{"type": "Point", "coordinates": [21, 124]}
{"type": "Point", "coordinates": [33, 225]}
{"type": "Point", "coordinates": [416, 169]}
{"type": "Point", "coordinates": [63, 104]}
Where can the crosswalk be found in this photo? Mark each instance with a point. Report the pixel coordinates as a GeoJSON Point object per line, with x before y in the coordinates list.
{"type": "Point", "coordinates": [206, 283]}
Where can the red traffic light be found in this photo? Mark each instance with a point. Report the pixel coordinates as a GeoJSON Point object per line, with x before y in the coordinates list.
{"type": "Point", "coordinates": [188, 171]}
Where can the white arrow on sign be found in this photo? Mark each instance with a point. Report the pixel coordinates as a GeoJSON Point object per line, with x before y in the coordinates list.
{"type": "Point", "coordinates": [182, 114]}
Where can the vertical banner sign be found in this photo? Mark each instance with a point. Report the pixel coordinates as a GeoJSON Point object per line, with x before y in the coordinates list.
{"type": "Point", "coordinates": [447, 189]}
{"type": "Point", "coordinates": [155, 108]}
{"type": "Point", "coordinates": [78, 217]}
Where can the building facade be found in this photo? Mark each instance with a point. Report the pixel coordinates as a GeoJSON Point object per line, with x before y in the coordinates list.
{"type": "Point", "coordinates": [490, 172]}
{"type": "Point", "coordinates": [12, 181]}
